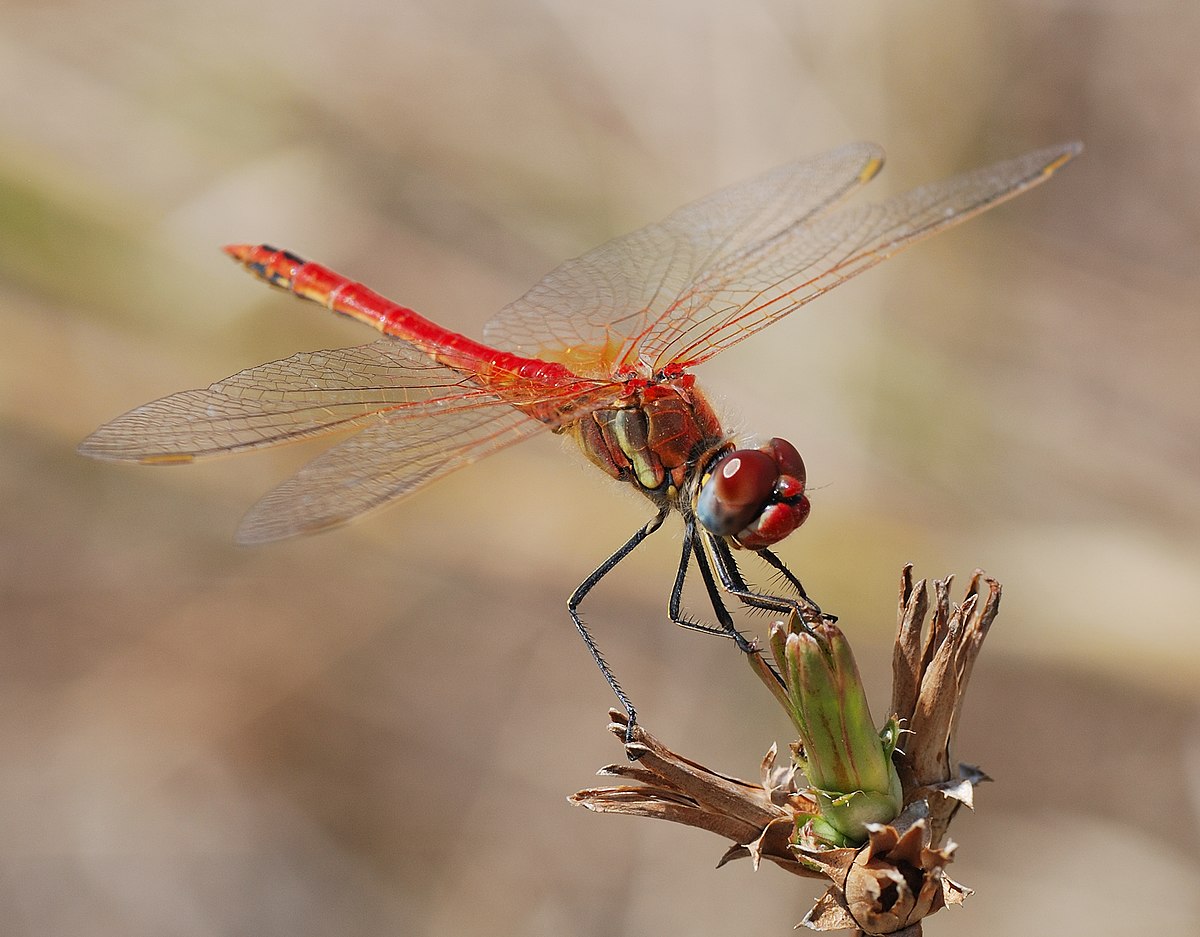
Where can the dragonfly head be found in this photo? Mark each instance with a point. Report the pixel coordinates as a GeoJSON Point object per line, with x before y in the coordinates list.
{"type": "Point", "coordinates": [755, 496]}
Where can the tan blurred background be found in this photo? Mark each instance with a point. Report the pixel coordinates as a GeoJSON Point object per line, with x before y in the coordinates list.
{"type": "Point", "coordinates": [372, 731]}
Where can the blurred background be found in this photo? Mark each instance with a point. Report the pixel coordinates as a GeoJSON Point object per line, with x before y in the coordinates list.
{"type": "Point", "coordinates": [372, 731]}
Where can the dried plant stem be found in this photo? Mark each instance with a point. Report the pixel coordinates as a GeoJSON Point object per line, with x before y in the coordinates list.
{"type": "Point", "coordinates": [890, 883]}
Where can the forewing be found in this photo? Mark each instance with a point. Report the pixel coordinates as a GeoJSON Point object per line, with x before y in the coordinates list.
{"type": "Point", "coordinates": [736, 297]}
{"type": "Point", "coordinates": [607, 301]}
{"type": "Point", "coordinates": [720, 269]}
{"type": "Point", "coordinates": [304, 395]}
{"type": "Point", "coordinates": [395, 455]}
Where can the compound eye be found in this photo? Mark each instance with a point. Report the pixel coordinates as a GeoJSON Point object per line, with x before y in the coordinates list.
{"type": "Point", "coordinates": [740, 486]}
{"type": "Point", "coordinates": [788, 459]}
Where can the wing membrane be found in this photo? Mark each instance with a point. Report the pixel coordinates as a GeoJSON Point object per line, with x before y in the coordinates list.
{"type": "Point", "coordinates": [416, 422]}
{"type": "Point", "coordinates": [733, 301]}
{"type": "Point", "coordinates": [305, 395]}
{"type": "Point", "coordinates": [717, 271]}
{"type": "Point", "coordinates": [393, 457]}
{"type": "Point", "coordinates": [612, 295]}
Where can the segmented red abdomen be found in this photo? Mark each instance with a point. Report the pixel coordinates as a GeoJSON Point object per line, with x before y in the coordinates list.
{"type": "Point", "coordinates": [498, 371]}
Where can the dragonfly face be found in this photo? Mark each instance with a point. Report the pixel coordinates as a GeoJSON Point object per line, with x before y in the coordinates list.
{"type": "Point", "coordinates": [755, 496]}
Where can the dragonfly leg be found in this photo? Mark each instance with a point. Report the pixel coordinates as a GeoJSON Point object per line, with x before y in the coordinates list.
{"type": "Point", "coordinates": [722, 613]}
{"type": "Point", "coordinates": [733, 582]}
{"type": "Point", "coordinates": [585, 587]}
{"type": "Point", "coordinates": [725, 628]}
{"type": "Point", "coordinates": [776, 563]}
{"type": "Point", "coordinates": [714, 595]}
{"type": "Point", "coordinates": [674, 607]}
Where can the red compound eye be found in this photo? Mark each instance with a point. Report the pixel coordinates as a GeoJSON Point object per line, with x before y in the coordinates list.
{"type": "Point", "coordinates": [736, 491]}
{"type": "Point", "coordinates": [755, 496]}
{"type": "Point", "coordinates": [787, 458]}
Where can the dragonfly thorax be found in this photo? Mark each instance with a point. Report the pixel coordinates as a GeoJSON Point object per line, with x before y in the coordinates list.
{"type": "Point", "coordinates": [657, 437]}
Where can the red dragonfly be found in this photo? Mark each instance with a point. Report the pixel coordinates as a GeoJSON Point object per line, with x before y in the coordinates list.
{"type": "Point", "coordinates": [601, 349]}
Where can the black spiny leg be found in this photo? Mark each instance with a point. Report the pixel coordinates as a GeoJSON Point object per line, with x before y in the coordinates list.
{"type": "Point", "coordinates": [714, 596]}
{"type": "Point", "coordinates": [726, 629]}
{"type": "Point", "coordinates": [673, 608]}
{"type": "Point", "coordinates": [733, 583]}
{"type": "Point", "coordinates": [586, 586]}
{"type": "Point", "coordinates": [776, 563]}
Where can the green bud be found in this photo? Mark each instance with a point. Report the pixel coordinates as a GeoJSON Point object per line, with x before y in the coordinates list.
{"type": "Point", "coordinates": [848, 763]}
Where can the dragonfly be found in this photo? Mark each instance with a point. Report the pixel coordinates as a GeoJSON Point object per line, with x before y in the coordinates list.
{"type": "Point", "coordinates": [600, 350]}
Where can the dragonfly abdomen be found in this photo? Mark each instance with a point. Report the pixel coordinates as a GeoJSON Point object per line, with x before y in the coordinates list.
{"type": "Point", "coordinates": [340, 294]}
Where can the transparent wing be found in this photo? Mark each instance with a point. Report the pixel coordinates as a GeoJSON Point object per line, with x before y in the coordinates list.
{"type": "Point", "coordinates": [732, 301]}
{"type": "Point", "coordinates": [590, 312]}
{"type": "Point", "coordinates": [417, 421]}
{"type": "Point", "coordinates": [389, 459]}
{"type": "Point", "coordinates": [304, 395]}
{"type": "Point", "coordinates": [719, 270]}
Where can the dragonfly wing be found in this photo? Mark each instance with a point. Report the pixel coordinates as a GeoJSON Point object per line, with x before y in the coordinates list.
{"type": "Point", "coordinates": [720, 269]}
{"type": "Point", "coordinates": [607, 299]}
{"type": "Point", "coordinates": [304, 395]}
{"type": "Point", "coordinates": [398, 453]}
{"type": "Point", "coordinates": [733, 299]}
{"type": "Point", "coordinates": [416, 419]}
